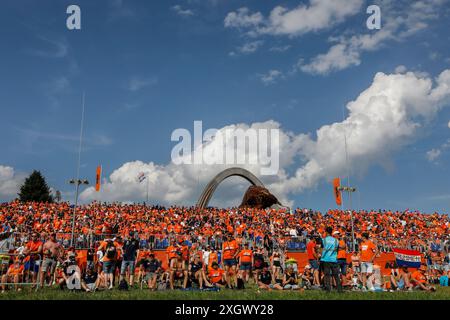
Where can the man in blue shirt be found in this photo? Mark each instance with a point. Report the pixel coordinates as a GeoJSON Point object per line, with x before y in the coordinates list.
{"type": "Point", "coordinates": [328, 259]}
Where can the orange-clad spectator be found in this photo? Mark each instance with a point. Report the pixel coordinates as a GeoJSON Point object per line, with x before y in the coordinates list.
{"type": "Point", "coordinates": [419, 279]}
{"type": "Point", "coordinates": [229, 252]}
{"type": "Point", "coordinates": [245, 257]}
{"type": "Point", "coordinates": [342, 254]}
{"type": "Point", "coordinates": [368, 253]}
{"type": "Point", "coordinates": [110, 255]}
{"type": "Point", "coordinates": [217, 276]}
{"type": "Point", "coordinates": [172, 252]}
{"type": "Point", "coordinates": [33, 252]}
{"type": "Point", "coordinates": [14, 275]}
{"type": "Point", "coordinates": [313, 259]}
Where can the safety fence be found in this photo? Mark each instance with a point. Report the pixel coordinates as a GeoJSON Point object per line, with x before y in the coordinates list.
{"type": "Point", "coordinates": [14, 240]}
{"type": "Point", "coordinates": [17, 271]}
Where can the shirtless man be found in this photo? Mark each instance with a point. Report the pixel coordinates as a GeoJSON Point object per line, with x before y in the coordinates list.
{"type": "Point", "coordinates": [51, 251]}
{"type": "Point", "coordinates": [178, 272]}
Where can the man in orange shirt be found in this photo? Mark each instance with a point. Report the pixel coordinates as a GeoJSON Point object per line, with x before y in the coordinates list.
{"type": "Point", "coordinates": [313, 259]}
{"type": "Point", "coordinates": [14, 274]}
{"type": "Point", "coordinates": [419, 279]}
{"type": "Point", "coordinates": [342, 254]}
{"type": "Point", "coordinates": [229, 253]}
{"type": "Point", "coordinates": [33, 250]}
{"type": "Point", "coordinates": [368, 251]}
{"type": "Point", "coordinates": [245, 257]}
{"type": "Point", "coordinates": [217, 276]}
{"type": "Point", "coordinates": [172, 252]}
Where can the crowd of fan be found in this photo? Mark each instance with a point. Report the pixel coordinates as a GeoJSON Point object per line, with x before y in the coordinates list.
{"type": "Point", "coordinates": [215, 248]}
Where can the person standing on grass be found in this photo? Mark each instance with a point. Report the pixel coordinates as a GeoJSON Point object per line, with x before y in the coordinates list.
{"type": "Point", "coordinates": [245, 262]}
{"type": "Point", "coordinates": [229, 253]}
{"type": "Point", "coordinates": [33, 252]}
{"type": "Point", "coordinates": [329, 260]}
{"type": "Point", "coordinates": [51, 250]}
{"type": "Point", "coordinates": [313, 259]}
{"type": "Point", "coordinates": [109, 260]}
{"type": "Point", "coordinates": [341, 255]}
{"type": "Point", "coordinates": [368, 253]}
{"type": "Point", "coordinates": [130, 251]}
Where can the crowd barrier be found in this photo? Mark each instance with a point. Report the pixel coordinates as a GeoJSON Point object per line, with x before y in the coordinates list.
{"type": "Point", "coordinates": [30, 275]}
{"type": "Point", "coordinates": [162, 241]}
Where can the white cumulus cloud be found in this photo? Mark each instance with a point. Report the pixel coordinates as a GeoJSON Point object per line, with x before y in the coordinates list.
{"type": "Point", "coordinates": [398, 24]}
{"type": "Point", "coordinates": [314, 16]}
{"type": "Point", "coordinates": [385, 117]}
{"type": "Point", "coordinates": [182, 12]}
{"type": "Point", "coordinates": [270, 77]}
{"type": "Point", "coordinates": [10, 182]}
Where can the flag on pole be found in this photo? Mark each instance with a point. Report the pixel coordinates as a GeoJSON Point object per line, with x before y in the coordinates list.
{"type": "Point", "coordinates": [408, 258]}
{"type": "Point", "coordinates": [141, 177]}
{"type": "Point", "coordinates": [98, 178]}
{"type": "Point", "coordinates": [337, 193]}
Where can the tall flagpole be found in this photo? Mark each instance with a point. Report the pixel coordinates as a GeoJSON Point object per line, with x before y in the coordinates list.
{"type": "Point", "coordinates": [77, 182]}
{"type": "Point", "coordinates": [348, 180]}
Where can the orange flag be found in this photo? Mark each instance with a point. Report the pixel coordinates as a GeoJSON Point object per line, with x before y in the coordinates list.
{"type": "Point", "coordinates": [98, 178]}
{"type": "Point", "coordinates": [337, 193]}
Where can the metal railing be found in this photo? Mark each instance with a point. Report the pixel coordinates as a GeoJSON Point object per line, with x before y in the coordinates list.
{"type": "Point", "coordinates": [30, 274]}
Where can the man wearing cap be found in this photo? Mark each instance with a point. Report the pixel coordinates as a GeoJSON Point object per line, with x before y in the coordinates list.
{"type": "Point", "coordinates": [151, 267]}
{"type": "Point", "coordinates": [217, 276]}
{"type": "Point", "coordinates": [419, 279]}
{"type": "Point", "coordinates": [330, 247]}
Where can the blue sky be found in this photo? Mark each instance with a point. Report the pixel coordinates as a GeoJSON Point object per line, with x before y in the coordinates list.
{"type": "Point", "coordinates": [149, 67]}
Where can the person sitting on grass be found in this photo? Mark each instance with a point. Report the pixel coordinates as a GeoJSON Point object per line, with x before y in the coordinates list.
{"type": "Point", "coordinates": [196, 273]}
{"type": "Point", "coordinates": [178, 272]}
{"type": "Point", "coordinates": [420, 281]}
{"type": "Point", "coordinates": [405, 279]}
{"type": "Point", "coordinates": [90, 280]}
{"type": "Point", "coordinates": [217, 276]}
{"type": "Point", "coordinates": [265, 280]}
{"type": "Point", "coordinates": [14, 274]}
{"type": "Point", "coordinates": [71, 277]}
{"type": "Point", "coordinates": [307, 277]}
{"type": "Point", "coordinates": [290, 280]}
{"type": "Point", "coordinates": [395, 276]}
{"type": "Point", "coordinates": [149, 269]}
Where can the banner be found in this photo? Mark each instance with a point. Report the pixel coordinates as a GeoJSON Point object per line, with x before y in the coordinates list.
{"type": "Point", "coordinates": [337, 193]}
{"type": "Point", "coordinates": [98, 178]}
{"type": "Point", "coordinates": [408, 258]}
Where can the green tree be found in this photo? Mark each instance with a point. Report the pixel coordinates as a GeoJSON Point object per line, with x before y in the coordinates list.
{"type": "Point", "coordinates": [35, 189]}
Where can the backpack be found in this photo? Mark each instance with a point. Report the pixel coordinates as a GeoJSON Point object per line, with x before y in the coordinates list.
{"type": "Point", "coordinates": [123, 285]}
{"type": "Point", "coordinates": [240, 284]}
{"type": "Point", "coordinates": [162, 285]}
{"type": "Point", "coordinates": [111, 252]}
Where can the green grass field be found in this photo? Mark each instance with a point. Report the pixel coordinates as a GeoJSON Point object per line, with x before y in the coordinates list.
{"type": "Point", "coordinates": [248, 294]}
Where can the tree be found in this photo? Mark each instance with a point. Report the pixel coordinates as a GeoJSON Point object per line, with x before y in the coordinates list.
{"type": "Point", "coordinates": [35, 189]}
